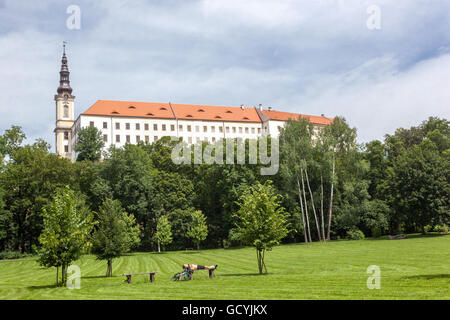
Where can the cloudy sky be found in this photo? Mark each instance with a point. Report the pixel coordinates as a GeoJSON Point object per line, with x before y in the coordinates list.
{"type": "Point", "coordinates": [312, 57]}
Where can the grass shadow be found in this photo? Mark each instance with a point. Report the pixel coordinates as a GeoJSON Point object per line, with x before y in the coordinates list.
{"type": "Point", "coordinates": [47, 286]}
{"type": "Point", "coordinates": [243, 274]}
{"type": "Point", "coordinates": [429, 276]}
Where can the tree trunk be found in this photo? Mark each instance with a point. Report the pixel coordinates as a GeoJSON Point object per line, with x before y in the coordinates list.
{"type": "Point", "coordinates": [301, 207]}
{"type": "Point", "coordinates": [306, 207]}
{"type": "Point", "coordinates": [321, 207]}
{"type": "Point", "coordinates": [109, 268]}
{"type": "Point", "coordinates": [313, 207]}
{"type": "Point", "coordinates": [159, 247]}
{"type": "Point", "coordinates": [57, 275]}
{"type": "Point", "coordinates": [198, 246]}
{"type": "Point", "coordinates": [260, 258]}
{"type": "Point", "coordinates": [330, 213]}
{"type": "Point", "coordinates": [63, 274]}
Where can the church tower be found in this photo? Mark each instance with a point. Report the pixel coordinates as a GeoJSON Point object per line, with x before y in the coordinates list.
{"type": "Point", "coordinates": [64, 111]}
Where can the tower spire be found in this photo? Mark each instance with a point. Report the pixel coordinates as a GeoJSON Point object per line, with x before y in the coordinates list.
{"type": "Point", "coordinates": [64, 74]}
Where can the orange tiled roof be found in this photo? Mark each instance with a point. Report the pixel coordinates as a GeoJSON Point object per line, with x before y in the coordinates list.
{"type": "Point", "coordinates": [190, 112]}
{"type": "Point", "coordinates": [285, 116]}
{"type": "Point", "coordinates": [130, 109]}
{"type": "Point", "coordinates": [198, 112]}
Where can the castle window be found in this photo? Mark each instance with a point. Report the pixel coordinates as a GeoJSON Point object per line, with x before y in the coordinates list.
{"type": "Point", "coordinates": [172, 127]}
{"type": "Point", "coordinates": [118, 125]}
{"type": "Point", "coordinates": [240, 129]}
{"type": "Point", "coordinates": [66, 135]}
{"type": "Point", "coordinates": [189, 128]}
{"type": "Point", "coordinates": [105, 138]}
{"type": "Point", "coordinates": [180, 127]}
{"type": "Point", "coordinates": [155, 127]}
{"type": "Point", "coordinates": [127, 126]}
{"type": "Point", "coordinates": [105, 125]}
{"type": "Point", "coordinates": [197, 128]}
{"type": "Point", "coordinates": [128, 139]}
{"type": "Point", "coordinates": [213, 129]}
{"type": "Point", "coordinates": [163, 127]}
{"type": "Point", "coordinates": [220, 129]}
{"type": "Point", "coordinates": [66, 111]}
{"type": "Point", "coordinates": [246, 130]}
{"type": "Point", "coordinates": [155, 138]}
{"type": "Point", "coordinates": [138, 126]}
{"type": "Point", "coordinates": [205, 129]}
{"type": "Point", "coordinates": [118, 138]}
{"type": "Point", "coordinates": [138, 139]}
{"type": "Point", "coordinates": [253, 130]}
{"type": "Point", "coordinates": [234, 129]}
{"type": "Point", "coordinates": [91, 123]}
{"type": "Point", "coordinates": [146, 127]}
{"type": "Point", "coordinates": [66, 148]}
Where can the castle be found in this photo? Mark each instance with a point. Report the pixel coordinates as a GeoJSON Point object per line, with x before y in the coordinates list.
{"type": "Point", "coordinates": [124, 122]}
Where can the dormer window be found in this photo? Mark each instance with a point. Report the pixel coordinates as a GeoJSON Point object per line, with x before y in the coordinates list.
{"type": "Point", "coordinates": [162, 108]}
{"type": "Point", "coordinates": [218, 117]}
{"type": "Point", "coordinates": [201, 110]}
{"type": "Point", "coordinates": [114, 112]}
{"type": "Point", "coordinates": [150, 114]}
{"type": "Point", "coordinates": [245, 118]}
{"type": "Point", "coordinates": [131, 107]}
{"type": "Point", "coordinates": [188, 116]}
{"type": "Point", "coordinates": [228, 111]}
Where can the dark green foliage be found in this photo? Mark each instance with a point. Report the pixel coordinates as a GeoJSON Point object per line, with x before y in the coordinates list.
{"type": "Point", "coordinates": [89, 144]}
{"type": "Point", "coordinates": [116, 233]}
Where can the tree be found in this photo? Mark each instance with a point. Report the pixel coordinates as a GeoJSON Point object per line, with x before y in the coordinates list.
{"type": "Point", "coordinates": [261, 220]}
{"type": "Point", "coordinates": [89, 144]}
{"type": "Point", "coordinates": [116, 233]}
{"type": "Point", "coordinates": [29, 181]}
{"type": "Point", "coordinates": [163, 235]}
{"type": "Point", "coordinates": [198, 229]}
{"type": "Point", "coordinates": [11, 141]}
{"type": "Point", "coordinates": [67, 226]}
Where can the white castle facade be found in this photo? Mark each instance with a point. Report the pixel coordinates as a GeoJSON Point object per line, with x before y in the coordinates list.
{"type": "Point", "coordinates": [122, 122]}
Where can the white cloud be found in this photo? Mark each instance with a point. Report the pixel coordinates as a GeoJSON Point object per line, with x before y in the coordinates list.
{"type": "Point", "coordinates": [305, 56]}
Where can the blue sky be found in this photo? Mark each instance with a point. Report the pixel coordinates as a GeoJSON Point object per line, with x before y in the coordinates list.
{"type": "Point", "coordinates": [310, 57]}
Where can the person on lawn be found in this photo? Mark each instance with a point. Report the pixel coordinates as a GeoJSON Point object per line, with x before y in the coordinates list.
{"type": "Point", "coordinates": [194, 267]}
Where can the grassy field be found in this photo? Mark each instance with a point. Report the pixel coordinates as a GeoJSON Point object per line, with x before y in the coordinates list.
{"type": "Point", "coordinates": [413, 268]}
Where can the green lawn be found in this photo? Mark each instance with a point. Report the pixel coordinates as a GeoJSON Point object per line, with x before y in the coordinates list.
{"type": "Point", "coordinates": [413, 268]}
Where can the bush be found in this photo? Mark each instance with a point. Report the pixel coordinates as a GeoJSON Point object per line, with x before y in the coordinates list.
{"type": "Point", "coordinates": [4, 255]}
{"type": "Point", "coordinates": [355, 235]}
{"type": "Point", "coordinates": [444, 228]}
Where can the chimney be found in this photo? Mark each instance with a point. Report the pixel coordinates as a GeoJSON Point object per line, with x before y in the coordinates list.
{"type": "Point", "coordinates": [323, 115]}
{"type": "Point", "coordinates": [242, 106]}
{"type": "Point", "coordinates": [270, 108]}
{"type": "Point", "coordinates": [260, 107]}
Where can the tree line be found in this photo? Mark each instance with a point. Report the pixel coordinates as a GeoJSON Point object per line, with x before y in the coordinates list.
{"type": "Point", "coordinates": [329, 186]}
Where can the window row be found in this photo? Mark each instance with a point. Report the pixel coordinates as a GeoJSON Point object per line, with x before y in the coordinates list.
{"type": "Point", "coordinates": [189, 128]}
{"type": "Point", "coordinates": [155, 138]}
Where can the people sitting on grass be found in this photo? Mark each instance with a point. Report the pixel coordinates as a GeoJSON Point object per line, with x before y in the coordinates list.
{"type": "Point", "coordinates": [193, 267]}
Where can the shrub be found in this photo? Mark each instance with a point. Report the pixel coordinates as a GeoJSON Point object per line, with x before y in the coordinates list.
{"type": "Point", "coordinates": [355, 234]}
{"type": "Point", "coordinates": [4, 255]}
{"type": "Point", "coordinates": [444, 228]}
